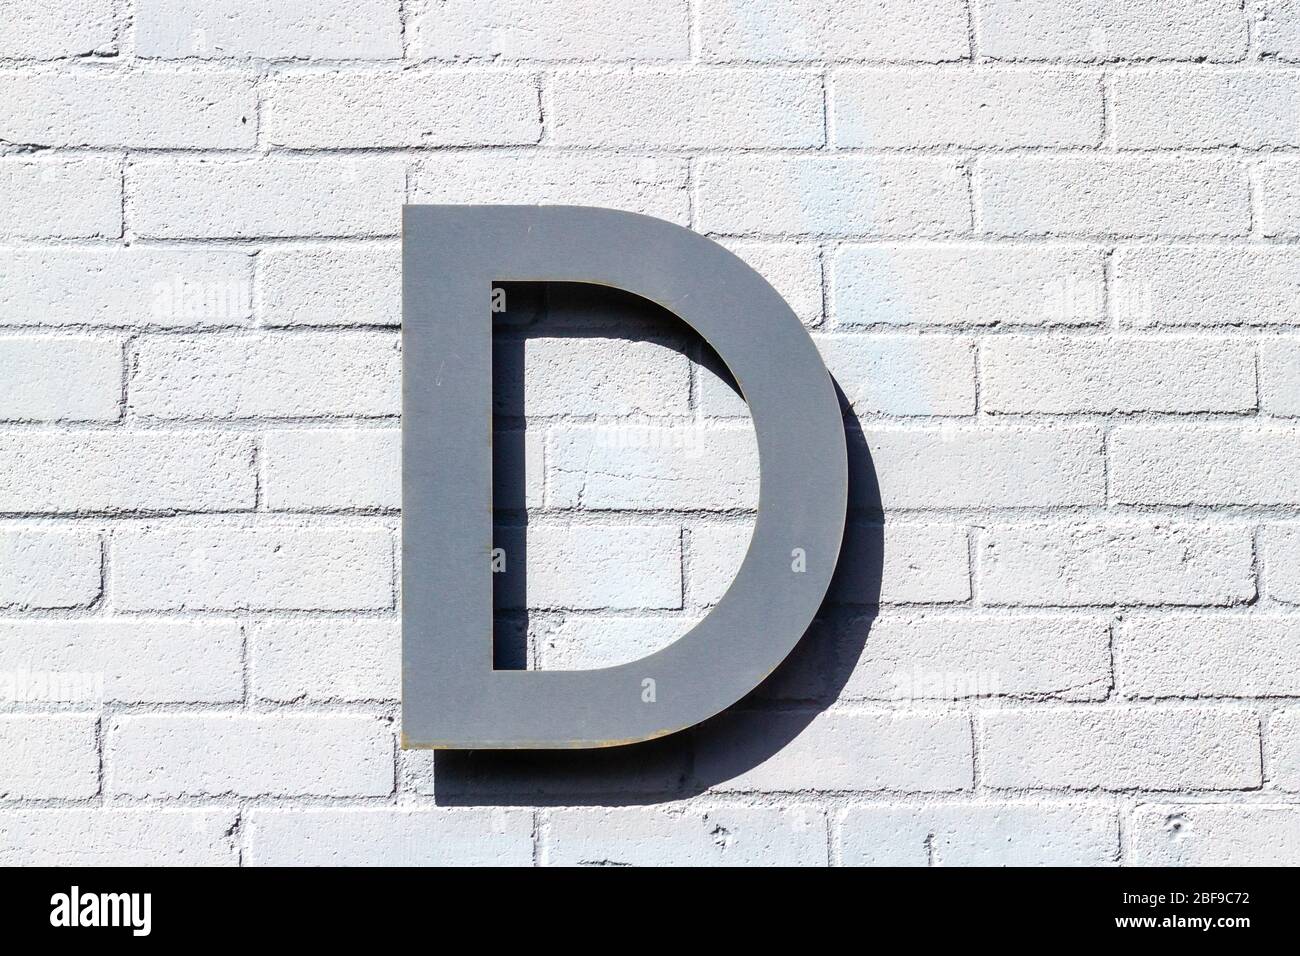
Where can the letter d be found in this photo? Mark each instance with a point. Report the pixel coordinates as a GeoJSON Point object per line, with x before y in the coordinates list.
{"type": "Point", "coordinates": [451, 695]}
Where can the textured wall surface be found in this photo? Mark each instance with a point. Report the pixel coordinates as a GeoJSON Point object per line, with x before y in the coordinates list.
{"type": "Point", "coordinates": [1047, 247]}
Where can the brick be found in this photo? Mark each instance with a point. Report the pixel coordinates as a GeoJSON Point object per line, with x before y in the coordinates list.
{"type": "Point", "coordinates": [72, 29]}
{"type": "Point", "coordinates": [118, 837]}
{"type": "Point", "coordinates": [949, 656]}
{"type": "Point", "coordinates": [333, 469]}
{"type": "Point", "coordinates": [978, 834]}
{"type": "Point", "coordinates": [1283, 748]}
{"type": "Point", "coordinates": [61, 198]}
{"type": "Point", "coordinates": [44, 756]}
{"type": "Point", "coordinates": [589, 376]}
{"type": "Point", "coordinates": [568, 30]}
{"type": "Point", "coordinates": [1205, 464]}
{"type": "Point", "coordinates": [636, 467]}
{"type": "Point", "coordinates": [1121, 748]}
{"type": "Point", "coordinates": [326, 659]}
{"type": "Point", "coordinates": [712, 836]}
{"type": "Point", "coordinates": [901, 108]}
{"type": "Point", "coordinates": [651, 185]}
{"type": "Point", "coordinates": [961, 466]}
{"type": "Point", "coordinates": [1279, 377]}
{"type": "Point", "coordinates": [335, 284]}
{"type": "Point", "coordinates": [409, 108]}
{"type": "Point", "coordinates": [1199, 655]}
{"type": "Point", "coordinates": [42, 568]}
{"type": "Point", "coordinates": [1195, 108]}
{"type": "Point", "coordinates": [61, 378]}
{"type": "Point", "coordinates": [901, 562]}
{"type": "Point", "coordinates": [1280, 552]}
{"type": "Point", "coordinates": [1104, 30]}
{"type": "Point", "coordinates": [1209, 285]}
{"type": "Point", "coordinates": [1135, 562]}
{"type": "Point", "coordinates": [1277, 28]}
{"type": "Point", "coordinates": [150, 110]}
{"type": "Point", "coordinates": [125, 286]}
{"type": "Point", "coordinates": [832, 195]}
{"type": "Point", "coordinates": [1279, 199]}
{"type": "Point", "coordinates": [232, 569]}
{"type": "Point", "coordinates": [590, 566]}
{"type": "Point", "coordinates": [838, 750]}
{"type": "Point", "coordinates": [1111, 375]}
{"type": "Point", "coordinates": [929, 31]}
{"type": "Point", "coordinates": [251, 755]}
{"type": "Point", "coordinates": [386, 836]}
{"type": "Point", "coordinates": [215, 199]}
{"type": "Point", "coordinates": [967, 284]}
{"type": "Point", "coordinates": [144, 660]}
{"type": "Point", "coordinates": [793, 269]}
{"type": "Point", "coordinates": [242, 29]}
{"type": "Point", "coordinates": [1208, 834]}
{"type": "Point", "coordinates": [1087, 197]}
{"type": "Point", "coordinates": [122, 471]}
{"type": "Point", "coordinates": [518, 469]}
{"type": "Point", "coordinates": [686, 109]}
{"type": "Point", "coordinates": [267, 375]}
{"type": "Point", "coordinates": [585, 643]}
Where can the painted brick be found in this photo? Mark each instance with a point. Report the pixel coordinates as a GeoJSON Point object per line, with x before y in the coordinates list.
{"type": "Point", "coordinates": [410, 108]}
{"type": "Point", "coordinates": [832, 195]}
{"type": "Point", "coordinates": [1121, 748]}
{"type": "Point", "coordinates": [687, 109]}
{"type": "Point", "coordinates": [585, 643]}
{"type": "Point", "coordinates": [906, 108]}
{"type": "Point", "coordinates": [1133, 561]}
{"type": "Point", "coordinates": [271, 375]}
{"type": "Point", "coordinates": [951, 656]}
{"type": "Point", "coordinates": [117, 837]}
{"type": "Point", "coordinates": [1110, 375]}
{"type": "Point", "coordinates": [214, 199]}
{"type": "Point", "coordinates": [62, 378]}
{"type": "Point", "coordinates": [1277, 28]}
{"type": "Point", "coordinates": [251, 755]}
{"type": "Point", "coordinates": [1279, 377]}
{"type": "Point", "coordinates": [45, 756]}
{"type": "Point", "coordinates": [1103, 30]}
{"type": "Point", "coordinates": [1077, 196]}
{"type": "Point", "coordinates": [149, 110]}
{"type": "Point", "coordinates": [61, 198]}
{"type": "Point", "coordinates": [1209, 834]}
{"type": "Point", "coordinates": [959, 466]}
{"type": "Point", "coordinates": [326, 659]}
{"type": "Point", "coordinates": [131, 660]}
{"type": "Point", "coordinates": [333, 469]}
{"type": "Point", "coordinates": [966, 284]}
{"type": "Point", "coordinates": [930, 31]}
{"type": "Point", "coordinates": [639, 467]}
{"type": "Point", "coordinates": [44, 568]}
{"type": "Point", "coordinates": [239, 29]}
{"type": "Point", "coordinates": [1190, 108]}
{"type": "Point", "coordinates": [568, 30]}
{"type": "Point", "coordinates": [1280, 553]}
{"type": "Point", "coordinates": [47, 32]}
{"type": "Point", "coordinates": [1283, 750]}
{"type": "Point", "coordinates": [1279, 199]}
{"type": "Point", "coordinates": [978, 834]}
{"type": "Point", "coordinates": [339, 568]}
{"type": "Point", "coordinates": [390, 837]}
{"type": "Point", "coordinates": [330, 285]}
{"type": "Point", "coordinates": [715, 836]}
{"type": "Point", "coordinates": [125, 286]}
{"type": "Point", "coordinates": [1197, 655]}
{"type": "Point", "coordinates": [1213, 465]}
{"type": "Point", "coordinates": [850, 750]}
{"type": "Point", "coordinates": [793, 269]}
{"type": "Point", "coordinates": [651, 185]}
{"type": "Point", "coordinates": [1208, 285]}
{"type": "Point", "coordinates": [121, 471]}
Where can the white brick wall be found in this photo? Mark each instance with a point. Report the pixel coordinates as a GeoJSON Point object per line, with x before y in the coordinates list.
{"type": "Point", "coordinates": [1048, 248]}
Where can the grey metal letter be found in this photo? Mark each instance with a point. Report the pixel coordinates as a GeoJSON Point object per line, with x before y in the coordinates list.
{"type": "Point", "coordinates": [451, 695]}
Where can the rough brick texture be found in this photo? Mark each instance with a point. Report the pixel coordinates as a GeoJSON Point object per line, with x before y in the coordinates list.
{"type": "Point", "coordinates": [1047, 248]}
